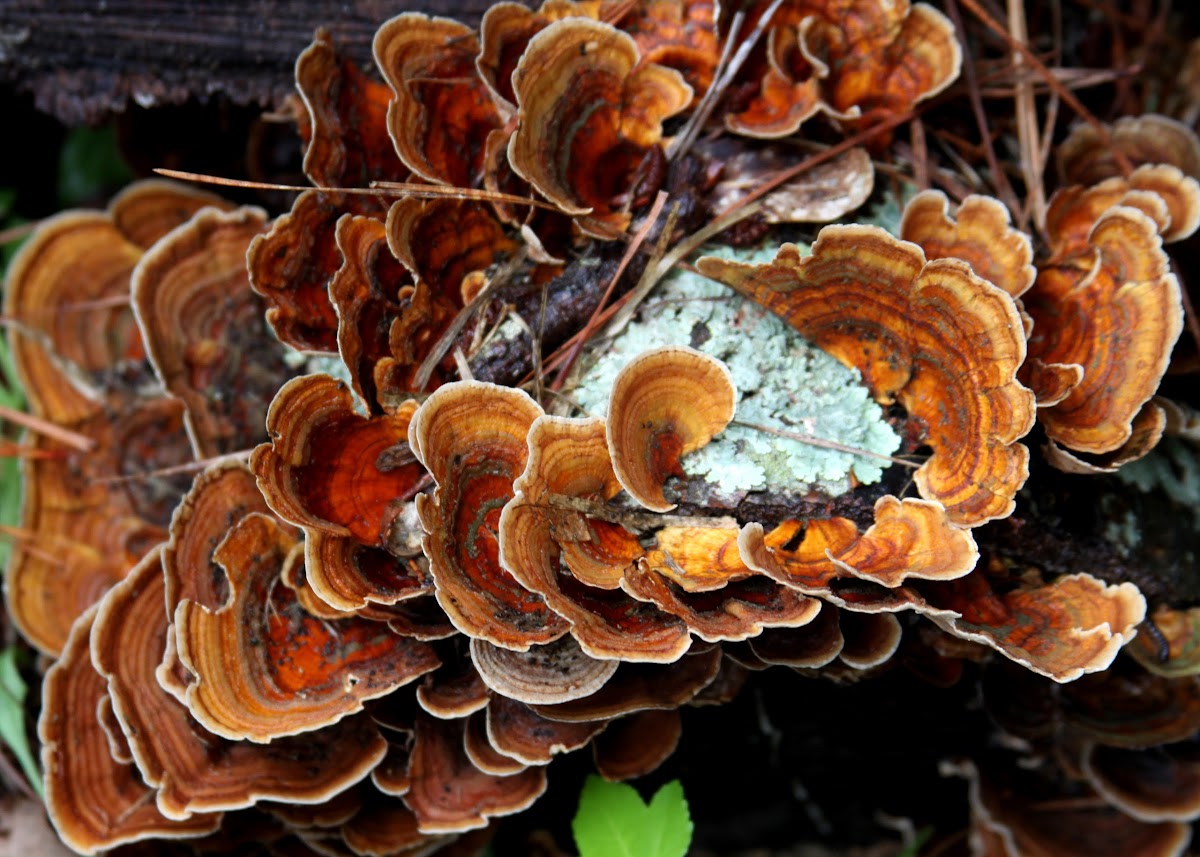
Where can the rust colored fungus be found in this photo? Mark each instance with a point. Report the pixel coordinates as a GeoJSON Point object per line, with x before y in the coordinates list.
{"type": "Point", "coordinates": [504, 34]}
{"type": "Point", "coordinates": [450, 794]}
{"type": "Point", "coordinates": [1085, 157]}
{"type": "Point", "coordinates": [642, 687]}
{"type": "Point", "coordinates": [471, 437]}
{"type": "Point", "coordinates": [366, 293]}
{"type": "Point", "coordinates": [482, 754]}
{"type": "Point", "coordinates": [909, 539]}
{"type": "Point", "coordinates": [636, 745]}
{"type": "Point", "coordinates": [1063, 629]}
{"type": "Point", "coordinates": [850, 60]}
{"type": "Point", "coordinates": [1145, 431]}
{"type": "Point", "coordinates": [808, 647]}
{"type": "Point", "coordinates": [1112, 306]}
{"type": "Point", "coordinates": [870, 639]}
{"type": "Point", "coordinates": [1131, 708]}
{"type": "Point", "coordinates": [291, 267]}
{"type": "Point", "coordinates": [1026, 814]}
{"type": "Point", "coordinates": [89, 531]}
{"type": "Point", "coordinates": [147, 210]}
{"type": "Point", "coordinates": [678, 34]}
{"type": "Point", "coordinates": [740, 610]}
{"type": "Point", "coordinates": [567, 458]}
{"type": "Point", "coordinates": [933, 336]}
{"type": "Point", "coordinates": [1159, 784]}
{"type": "Point", "coordinates": [442, 112]}
{"type": "Point", "coordinates": [697, 559]}
{"type": "Point", "coordinates": [264, 668]}
{"type": "Point", "coordinates": [590, 113]}
{"type": "Point", "coordinates": [517, 731]}
{"type": "Point", "coordinates": [385, 826]}
{"type": "Point", "coordinates": [204, 328]}
{"type": "Point", "coordinates": [556, 672]}
{"type": "Point", "coordinates": [443, 241]}
{"type": "Point", "coordinates": [1160, 191]}
{"type": "Point", "coordinates": [1181, 631]}
{"type": "Point", "coordinates": [453, 690]}
{"type": "Point", "coordinates": [980, 232]}
{"type": "Point", "coordinates": [94, 802]}
{"type": "Point", "coordinates": [346, 139]}
{"type": "Point", "coordinates": [192, 769]}
{"type": "Point", "coordinates": [347, 480]}
{"type": "Point", "coordinates": [118, 744]}
{"type": "Point", "coordinates": [664, 404]}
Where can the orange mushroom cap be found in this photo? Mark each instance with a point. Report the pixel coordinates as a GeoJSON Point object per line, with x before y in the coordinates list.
{"type": "Point", "coordinates": [1085, 157]}
{"type": "Point", "coordinates": [1181, 630]}
{"type": "Point", "coordinates": [442, 112]}
{"type": "Point", "coordinates": [94, 802]}
{"type": "Point", "coordinates": [347, 143]}
{"type": "Point", "coordinates": [192, 769]}
{"type": "Point", "coordinates": [664, 404]}
{"type": "Point", "coordinates": [264, 668]}
{"type": "Point", "coordinates": [204, 328]}
{"type": "Point", "coordinates": [589, 111]}
{"type": "Point", "coordinates": [932, 335]}
{"type": "Point", "coordinates": [471, 437]}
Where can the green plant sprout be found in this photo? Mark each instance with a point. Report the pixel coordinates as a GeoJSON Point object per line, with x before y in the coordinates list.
{"type": "Point", "coordinates": [614, 821]}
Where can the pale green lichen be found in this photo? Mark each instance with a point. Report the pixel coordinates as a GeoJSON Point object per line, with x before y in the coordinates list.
{"type": "Point", "coordinates": [1172, 468]}
{"type": "Point", "coordinates": [783, 382]}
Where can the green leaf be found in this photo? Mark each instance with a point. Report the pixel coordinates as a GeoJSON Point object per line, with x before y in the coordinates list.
{"type": "Point", "coordinates": [90, 166]}
{"type": "Point", "coordinates": [12, 716]}
{"type": "Point", "coordinates": [614, 821]}
{"type": "Point", "coordinates": [923, 836]}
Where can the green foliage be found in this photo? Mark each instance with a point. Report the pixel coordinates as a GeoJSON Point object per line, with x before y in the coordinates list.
{"type": "Point", "coordinates": [90, 166]}
{"type": "Point", "coordinates": [12, 716]}
{"type": "Point", "coordinates": [914, 849]}
{"type": "Point", "coordinates": [614, 821]}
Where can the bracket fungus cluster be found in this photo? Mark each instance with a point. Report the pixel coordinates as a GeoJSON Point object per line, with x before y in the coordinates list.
{"type": "Point", "coordinates": [363, 608]}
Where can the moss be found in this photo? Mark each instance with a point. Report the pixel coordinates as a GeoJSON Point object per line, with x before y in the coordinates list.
{"type": "Point", "coordinates": [783, 382]}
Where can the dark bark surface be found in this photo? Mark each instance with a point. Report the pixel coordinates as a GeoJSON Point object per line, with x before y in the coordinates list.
{"type": "Point", "coordinates": [85, 59]}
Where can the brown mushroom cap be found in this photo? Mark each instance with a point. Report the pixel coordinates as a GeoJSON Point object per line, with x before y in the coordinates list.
{"type": "Point", "coordinates": [442, 112]}
{"type": "Point", "coordinates": [1118, 317]}
{"type": "Point", "coordinates": [94, 802]}
{"type": "Point", "coordinates": [264, 668]}
{"type": "Point", "coordinates": [347, 143]}
{"type": "Point", "coordinates": [556, 672]}
{"type": "Point", "coordinates": [1157, 784]}
{"type": "Point", "coordinates": [204, 329]}
{"type": "Point", "coordinates": [450, 794]}
{"type": "Point", "coordinates": [471, 437]}
{"type": "Point", "coordinates": [192, 769]}
{"type": "Point", "coordinates": [664, 404]}
{"type": "Point", "coordinates": [875, 304]}
{"type": "Point", "coordinates": [636, 745]}
{"type": "Point", "coordinates": [1086, 157]}
{"type": "Point", "coordinates": [453, 690]}
{"type": "Point", "coordinates": [589, 111]}
{"type": "Point", "coordinates": [517, 731]}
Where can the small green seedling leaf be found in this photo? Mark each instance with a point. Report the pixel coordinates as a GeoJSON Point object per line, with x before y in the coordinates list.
{"type": "Point", "coordinates": [12, 716]}
{"type": "Point", "coordinates": [90, 166]}
{"type": "Point", "coordinates": [914, 849]}
{"type": "Point", "coordinates": [614, 821]}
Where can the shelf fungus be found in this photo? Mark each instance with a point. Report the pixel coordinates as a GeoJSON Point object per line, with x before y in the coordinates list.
{"type": "Point", "coordinates": [348, 481]}
{"type": "Point", "coordinates": [933, 336]}
{"type": "Point", "coordinates": [442, 112]}
{"type": "Point", "coordinates": [471, 437]}
{"type": "Point", "coordinates": [1106, 300]}
{"type": "Point", "coordinates": [590, 119]}
{"type": "Point", "coordinates": [879, 57]}
{"type": "Point", "coordinates": [1085, 157]}
{"type": "Point", "coordinates": [264, 667]}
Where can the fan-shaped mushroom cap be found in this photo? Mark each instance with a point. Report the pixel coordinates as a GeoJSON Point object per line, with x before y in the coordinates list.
{"type": "Point", "coordinates": [291, 267]}
{"type": "Point", "coordinates": [1157, 784]}
{"type": "Point", "coordinates": [204, 329]}
{"type": "Point", "coordinates": [546, 675]}
{"type": "Point", "coordinates": [849, 60]}
{"type": "Point", "coordinates": [934, 336]}
{"type": "Point", "coordinates": [636, 745]}
{"type": "Point", "coordinates": [1181, 631]}
{"type": "Point", "coordinates": [94, 802]}
{"type": "Point", "coordinates": [346, 138]}
{"type": "Point", "coordinates": [455, 689]}
{"type": "Point", "coordinates": [980, 232]}
{"type": "Point", "coordinates": [1085, 157]}
{"type": "Point", "coordinates": [264, 668]}
{"type": "Point", "coordinates": [450, 794]}
{"type": "Point", "coordinates": [517, 731]}
{"type": "Point", "coordinates": [589, 112]}
{"type": "Point", "coordinates": [1112, 307]}
{"type": "Point", "coordinates": [471, 437]}
{"type": "Point", "coordinates": [192, 769]}
{"type": "Point", "coordinates": [664, 404]}
{"type": "Point", "coordinates": [504, 34]}
{"type": "Point", "coordinates": [442, 112]}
